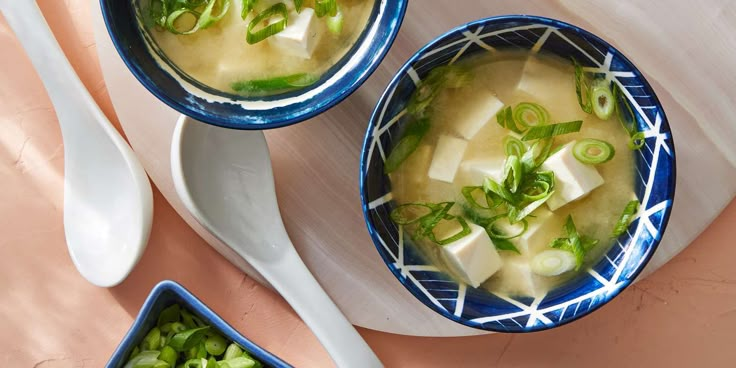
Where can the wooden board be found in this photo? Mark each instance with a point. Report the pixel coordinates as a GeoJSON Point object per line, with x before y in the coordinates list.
{"type": "Point", "coordinates": [316, 162]}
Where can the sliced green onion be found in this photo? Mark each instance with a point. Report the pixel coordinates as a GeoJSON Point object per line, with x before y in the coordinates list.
{"type": "Point", "coordinates": [450, 76]}
{"type": "Point", "coordinates": [241, 362]}
{"type": "Point", "coordinates": [173, 18]}
{"type": "Point", "coordinates": [505, 244]}
{"type": "Point", "coordinates": [276, 84]}
{"type": "Point", "coordinates": [152, 340]}
{"type": "Point", "coordinates": [625, 113]}
{"type": "Point", "coordinates": [495, 233]}
{"type": "Point", "coordinates": [574, 243]}
{"type": "Point", "coordinates": [551, 130]}
{"type": "Point", "coordinates": [410, 213]}
{"type": "Point", "coordinates": [177, 327]}
{"type": "Point", "coordinates": [470, 198]}
{"type": "Point", "coordinates": [429, 222]}
{"type": "Point", "coordinates": [593, 151]}
{"type": "Point", "coordinates": [415, 130]}
{"type": "Point", "coordinates": [215, 344]}
{"type": "Point", "coordinates": [512, 173]}
{"type": "Point", "coordinates": [582, 88]}
{"type": "Point", "coordinates": [232, 351]}
{"type": "Point", "coordinates": [626, 218]}
{"type": "Point", "coordinates": [465, 231]}
{"type": "Point", "coordinates": [207, 18]}
{"type": "Point", "coordinates": [168, 315]}
{"type": "Point", "coordinates": [602, 100]}
{"type": "Point", "coordinates": [325, 7]}
{"type": "Point", "coordinates": [190, 338]}
{"type": "Point", "coordinates": [540, 185]}
{"type": "Point", "coordinates": [529, 114]}
{"type": "Point", "coordinates": [335, 22]}
{"type": "Point", "coordinates": [535, 156]}
{"type": "Point", "coordinates": [490, 186]}
{"type": "Point", "coordinates": [298, 5]}
{"type": "Point", "coordinates": [505, 119]}
{"type": "Point", "coordinates": [190, 320]}
{"type": "Point", "coordinates": [637, 141]}
{"type": "Point", "coordinates": [143, 359]}
{"type": "Point", "coordinates": [248, 6]}
{"type": "Point", "coordinates": [278, 9]}
{"type": "Point", "coordinates": [168, 355]}
{"type": "Point", "coordinates": [513, 146]}
{"type": "Point", "coordinates": [552, 262]}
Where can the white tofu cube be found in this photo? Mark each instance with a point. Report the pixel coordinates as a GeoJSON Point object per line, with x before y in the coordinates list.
{"type": "Point", "coordinates": [475, 172]}
{"type": "Point", "coordinates": [481, 109]}
{"type": "Point", "coordinates": [301, 35]}
{"type": "Point", "coordinates": [551, 87]}
{"type": "Point", "coordinates": [519, 278]}
{"type": "Point", "coordinates": [573, 179]}
{"type": "Point", "coordinates": [447, 156]}
{"type": "Point", "coordinates": [543, 226]}
{"type": "Point", "coordinates": [474, 257]}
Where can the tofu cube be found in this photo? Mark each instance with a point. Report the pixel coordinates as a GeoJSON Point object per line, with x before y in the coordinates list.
{"type": "Point", "coordinates": [447, 156]}
{"type": "Point", "coordinates": [573, 179]}
{"type": "Point", "coordinates": [419, 159]}
{"type": "Point", "coordinates": [473, 258]}
{"type": "Point", "coordinates": [301, 35]}
{"type": "Point", "coordinates": [543, 226]}
{"type": "Point", "coordinates": [475, 172]}
{"type": "Point", "coordinates": [520, 280]}
{"type": "Point", "coordinates": [482, 108]}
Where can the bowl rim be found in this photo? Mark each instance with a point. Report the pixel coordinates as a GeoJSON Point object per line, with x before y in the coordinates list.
{"type": "Point", "coordinates": [385, 96]}
{"type": "Point", "coordinates": [288, 114]}
{"type": "Point", "coordinates": [196, 306]}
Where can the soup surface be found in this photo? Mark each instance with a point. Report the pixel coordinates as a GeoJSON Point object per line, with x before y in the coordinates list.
{"type": "Point", "coordinates": [513, 78]}
{"type": "Point", "coordinates": [219, 55]}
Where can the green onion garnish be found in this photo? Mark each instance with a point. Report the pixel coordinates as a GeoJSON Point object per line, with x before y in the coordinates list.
{"type": "Point", "coordinates": [637, 141]}
{"type": "Point", "coordinates": [491, 187]}
{"type": "Point", "coordinates": [513, 146]}
{"type": "Point", "coordinates": [410, 213]}
{"type": "Point", "coordinates": [188, 339]}
{"type": "Point", "coordinates": [553, 262]}
{"type": "Point", "coordinates": [208, 18]}
{"type": "Point", "coordinates": [278, 9]}
{"type": "Point", "coordinates": [473, 202]}
{"type": "Point", "coordinates": [416, 214]}
{"type": "Point", "coordinates": [533, 158]}
{"type": "Point", "coordinates": [248, 7]}
{"type": "Point", "coordinates": [512, 173]}
{"type": "Point", "coordinates": [298, 5]}
{"type": "Point", "coordinates": [602, 100]}
{"type": "Point", "coordinates": [551, 130]}
{"type": "Point", "coordinates": [325, 7]}
{"type": "Point", "coordinates": [276, 84]}
{"type": "Point", "coordinates": [495, 233]}
{"type": "Point", "coordinates": [626, 217]}
{"type": "Point", "coordinates": [335, 22]}
{"type": "Point", "coordinates": [529, 114]}
{"type": "Point", "coordinates": [172, 21]}
{"type": "Point", "coordinates": [186, 17]}
{"type": "Point", "coordinates": [593, 151]}
{"type": "Point", "coordinates": [464, 231]}
{"type": "Point", "coordinates": [572, 243]}
{"type": "Point", "coordinates": [505, 119]}
{"type": "Point", "coordinates": [413, 134]}
{"type": "Point", "coordinates": [582, 88]}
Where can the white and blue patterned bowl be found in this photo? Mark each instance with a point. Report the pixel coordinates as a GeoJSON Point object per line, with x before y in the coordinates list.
{"type": "Point", "coordinates": [183, 93]}
{"type": "Point", "coordinates": [478, 308]}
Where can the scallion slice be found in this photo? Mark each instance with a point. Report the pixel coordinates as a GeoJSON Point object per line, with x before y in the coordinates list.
{"type": "Point", "coordinates": [627, 216]}
{"type": "Point", "coordinates": [209, 17]}
{"type": "Point", "coordinates": [551, 130]}
{"type": "Point", "coordinates": [463, 232]}
{"type": "Point", "coordinates": [553, 262]}
{"type": "Point", "coordinates": [505, 119]}
{"type": "Point", "coordinates": [495, 233]}
{"type": "Point", "coordinates": [602, 100]}
{"type": "Point", "coordinates": [173, 21]}
{"type": "Point", "coordinates": [278, 9]}
{"type": "Point", "coordinates": [535, 156]}
{"type": "Point", "coordinates": [410, 213]}
{"type": "Point", "coordinates": [416, 129]}
{"type": "Point", "coordinates": [188, 339]}
{"type": "Point", "coordinates": [637, 141]}
{"type": "Point", "coordinates": [593, 151]}
{"type": "Point", "coordinates": [248, 6]}
{"type": "Point", "coordinates": [276, 84]}
{"type": "Point", "coordinates": [513, 146]}
{"type": "Point", "coordinates": [325, 7]}
{"type": "Point", "coordinates": [473, 202]}
{"type": "Point", "coordinates": [582, 88]}
{"type": "Point", "coordinates": [529, 115]}
{"type": "Point", "coordinates": [491, 187]}
{"type": "Point", "coordinates": [298, 5]}
{"type": "Point", "coordinates": [335, 22]}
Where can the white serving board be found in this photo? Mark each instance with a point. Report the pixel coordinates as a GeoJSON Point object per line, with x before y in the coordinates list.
{"type": "Point", "coordinates": [316, 162]}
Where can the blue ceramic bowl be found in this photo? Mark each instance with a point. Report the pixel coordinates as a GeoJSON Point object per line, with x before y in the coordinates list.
{"type": "Point", "coordinates": [167, 293]}
{"type": "Point", "coordinates": [203, 103]}
{"type": "Point", "coordinates": [655, 185]}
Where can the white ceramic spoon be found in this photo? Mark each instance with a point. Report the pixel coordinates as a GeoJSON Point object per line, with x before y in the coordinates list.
{"type": "Point", "coordinates": [108, 204]}
{"type": "Point", "coordinates": [224, 178]}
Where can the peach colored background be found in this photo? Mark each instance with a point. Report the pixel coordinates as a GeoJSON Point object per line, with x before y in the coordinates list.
{"type": "Point", "coordinates": [683, 315]}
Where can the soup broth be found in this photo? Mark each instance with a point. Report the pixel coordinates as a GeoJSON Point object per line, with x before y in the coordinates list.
{"type": "Point", "coordinates": [513, 78]}
{"type": "Point", "coordinates": [219, 56]}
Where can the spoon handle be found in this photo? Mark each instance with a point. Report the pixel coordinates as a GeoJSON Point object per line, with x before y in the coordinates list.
{"type": "Point", "coordinates": [292, 279]}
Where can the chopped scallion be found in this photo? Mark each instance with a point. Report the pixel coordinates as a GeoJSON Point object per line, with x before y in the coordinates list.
{"type": "Point", "coordinates": [415, 130]}
{"type": "Point", "coordinates": [551, 130]}
{"type": "Point", "coordinates": [276, 84]}
{"type": "Point", "coordinates": [593, 151]}
{"type": "Point", "coordinates": [335, 22]}
{"type": "Point", "coordinates": [637, 141]}
{"type": "Point", "coordinates": [278, 9]}
{"type": "Point", "coordinates": [248, 7]}
{"type": "Point", "coordinates": [582, 88]}
{"type": "Point", "coordinates": [529, 115]}
{"type": "Point", "coordinates": [553, 262]}
{"type": "Point", "coordinates": [513, 146]}
{"type": "Point", "coordinates": [627, 216]}
{"type": "Point", "coordinates": [602, 100]}
{"type": "Point", "coordinates": [325, 7]}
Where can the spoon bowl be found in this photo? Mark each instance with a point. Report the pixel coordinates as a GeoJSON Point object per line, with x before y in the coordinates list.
{"type": "Point", "coordinates": [224, 178]}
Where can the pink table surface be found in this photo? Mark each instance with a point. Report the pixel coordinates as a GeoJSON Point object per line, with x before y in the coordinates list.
{"type": "Point", "coordinates": [681, 316]}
